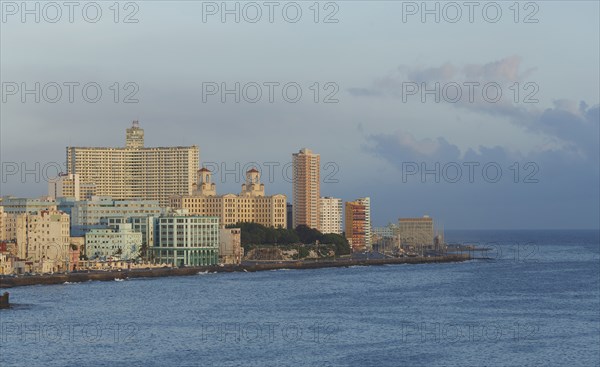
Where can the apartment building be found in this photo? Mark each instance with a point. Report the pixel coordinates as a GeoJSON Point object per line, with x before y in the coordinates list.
{"type": "Point", "coordinates": [330, 215]}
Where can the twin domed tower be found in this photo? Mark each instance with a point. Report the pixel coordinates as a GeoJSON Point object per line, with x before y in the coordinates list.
{"type": "Point", "coordinates": [205, 187]}
{"type": "Point", "coordinates": [251, 205]}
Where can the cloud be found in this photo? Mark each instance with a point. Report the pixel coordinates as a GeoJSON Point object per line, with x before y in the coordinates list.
{"type": "Point", "coordinates": [402, 146]}
{"type": "Point", "coordinates": [573, 125]}
{"type": "Point", "coordinates": [442, 73]}
{"type": "Point", "coordinates": [576, 125]}
{"type": "Point", "coordinates": [542, 189]}
{"type": "Point", "coordinates": [504, 70]}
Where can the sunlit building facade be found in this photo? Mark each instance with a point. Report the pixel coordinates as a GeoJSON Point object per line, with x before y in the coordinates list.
{"type": "Point", "coordinates": [251, 205]}
{"type": "Point", "coordinates": [306, 188]}
{"type": "Point", "coordinates": [330, 215]}
{"type": "Point", "coordinates": [135, 171]}
{"type": "Point", "coordinates": [187, 240]}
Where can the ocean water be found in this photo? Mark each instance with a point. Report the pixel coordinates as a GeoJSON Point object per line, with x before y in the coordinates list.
{"type": "Point", "coordinates": [536, 303]}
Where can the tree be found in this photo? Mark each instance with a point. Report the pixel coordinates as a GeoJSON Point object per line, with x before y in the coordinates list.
{"type": "Point", "coordinates": [308, 235]}
{"type": "Point", "coordinates": [342, 247]}
{"type": "Point", "coordinates": [257, 234]}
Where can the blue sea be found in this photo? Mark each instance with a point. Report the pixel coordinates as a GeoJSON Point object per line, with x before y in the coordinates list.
{"type": "Point", "coordinates": [534, 303]}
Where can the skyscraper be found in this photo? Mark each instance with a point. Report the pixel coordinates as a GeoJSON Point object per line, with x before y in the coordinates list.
{"type": "Point", "coordinates": [306, 188]}
{"type": "Point", "coordinates": [136, 172]}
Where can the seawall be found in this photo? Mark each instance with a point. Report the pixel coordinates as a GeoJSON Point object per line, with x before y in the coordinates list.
{"type": "Point", "coordinates": [9, 282]}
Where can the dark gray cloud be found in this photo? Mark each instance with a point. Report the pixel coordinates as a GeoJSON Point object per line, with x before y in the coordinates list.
{"type": "Point", "coordinates": [550, 184]}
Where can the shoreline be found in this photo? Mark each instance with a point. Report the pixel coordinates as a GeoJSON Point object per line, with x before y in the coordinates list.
{"type": "Point", "coordinates": [79, 277]}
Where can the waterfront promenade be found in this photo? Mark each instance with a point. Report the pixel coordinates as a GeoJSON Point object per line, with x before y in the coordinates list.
{"type": "Point", "coordinates": [84, 276]}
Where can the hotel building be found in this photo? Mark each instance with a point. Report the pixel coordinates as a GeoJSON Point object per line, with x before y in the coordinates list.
{"type": "Point", "coordinates": [135, 171]}
{"type": "Point", "coordinates": [330, 215]}
{"type": "Point", "coordinates": [306, 188]}
{"type": "Point", "coordinates": [251, 205]}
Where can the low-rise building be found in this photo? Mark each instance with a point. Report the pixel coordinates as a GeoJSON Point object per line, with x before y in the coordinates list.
{"type": "Point", "coordinates": [48, 240]}
{"type": "Point", "coordinates": [77, 251]}
{"type": "Point", "coordinates": [15, 230]}
{"type": "Point", "coordinates": [40, 238]}
{"type": "Point", "coordinates": [88, 214]}
{"type": "Point", "coordinates": [186, 240]}
{"type": "Point", "coordinates": [386, 238]}
{"type": "Point", "coordinates": [6, 260]}
{"type": "Point", "coordinates": [13, 205]}
{"type": "Point", "coordinates": [230, 246]}
{"type": "Point", "coordinates": [6, 263]}
{"type": "Point", "coordinates": [416, 234]}
{"type": "Point", "coordinates": [119, 242]}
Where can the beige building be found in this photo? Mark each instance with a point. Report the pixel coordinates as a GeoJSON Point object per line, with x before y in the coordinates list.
{"type": "Point", "coordinates": [2, 224]}
{"type": "Point", "coordinates": [135, 171]}
{"type": "Point", "coordinates": [64, 186]}
{"type": "Point", "coordinates": [6, 263]}
{"type": "Point", "coordinates": [15, 230]}
{"type": "Point", "coordinates": [306, 188]}
{"type": "Point", "coordinates": [251, 205]}
{"type": "Point", "coordinates": [48, 240]}
{"type": "Point", "coordinates": [41, 238]}
{"type": "Point", "coordinates": [416, 233]}
{"type": "Point", "coordinates": [230, 246]}
{"type": "Point", "coordinates": [330, 215]}
{"type": "Point", "coordinates": [70, 186]}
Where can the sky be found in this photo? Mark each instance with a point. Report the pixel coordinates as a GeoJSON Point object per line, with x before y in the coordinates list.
{"type": "Point", "coordinates": [483, 118]}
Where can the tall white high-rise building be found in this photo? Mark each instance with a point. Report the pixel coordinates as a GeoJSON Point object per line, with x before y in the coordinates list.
{"type": "Point", "coordinates": [330, 215]}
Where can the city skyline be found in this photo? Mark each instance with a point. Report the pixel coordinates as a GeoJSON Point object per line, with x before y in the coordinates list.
{"type": "Point", "coordinates": [377, 127]}
{"type": "Point", "coordinates": [235, 173]}
{"type": "Point", "coordinates": [359, 183]}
